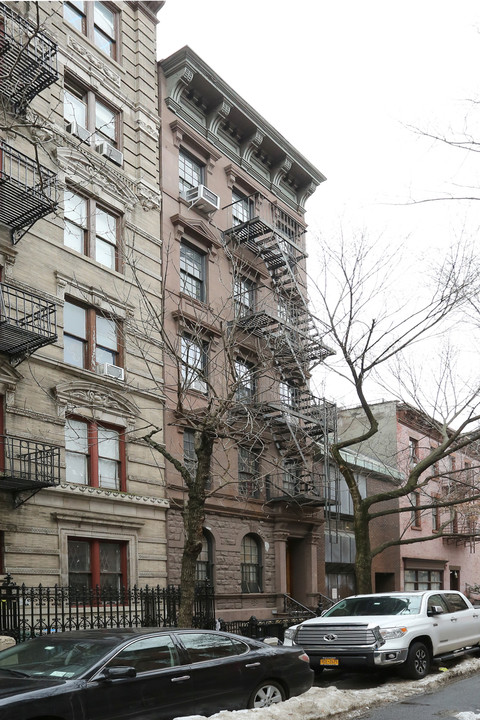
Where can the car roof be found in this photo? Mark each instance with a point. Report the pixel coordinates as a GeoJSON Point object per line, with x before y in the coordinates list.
{"type": "Point", "coordinates": [120, 634]}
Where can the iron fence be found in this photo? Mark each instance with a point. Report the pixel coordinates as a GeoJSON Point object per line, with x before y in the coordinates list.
{"type": "Point", "coordinates": [27, 612]}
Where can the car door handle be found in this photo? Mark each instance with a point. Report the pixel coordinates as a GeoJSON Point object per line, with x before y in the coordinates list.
{"type": "Point", "coordinates": [453, 619]}
{"type": "Point", "coordinates": [475, 615]}
{"type": "Point", "coordinates": [249, 665]}
{"type": "Point", "coordinates": [182, 678]}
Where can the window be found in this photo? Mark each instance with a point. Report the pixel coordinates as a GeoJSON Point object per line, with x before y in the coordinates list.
{"type": "Point", "coordinates": [93, 563]}
{"type": "Point", "coordinates": [189, 455]}
{"type": "Point", "coordinates": [242, 208]}
{"type": "Point", "coordinates": [291, 476]}
{"type": "Point", "coordinates": [95, 20]}
{"type": "Point", "coordinates": [90, 119]}
{"type": "Point", "coordinates": [192, 272]}
{"type": "Point", "coordinates": [190, 172]}
{"type": "Point", "coordinates": [248, 482]}
{"type": "Point", "coordinates": [202, 647]}
{"type": "Point", "coordinates": [245, 381]}
{"type": "Point", "coordinates": [416, 517]}
{"type": "Point", "coordinates": [244, 297]}
{"type": "Point", "coordinates": [413, 451]}
{"type": "Point", "coordinates": [423, 579]}
{"type": "Point", "coordinates": [204, 568]}
{"type": "Point", "coordinates": [148, 654]}
{"type": "Point", "coordinates": [251, 565]}
{"type": "Point", "coordinates": [435, 517]}
{"type": "Point", "coordinates": [90, 229]}
{"type": "Point", "coordinates": [194, 364]}
{"type": "Point", "coordinates": [288, 395]}
{"type": "Point", "coordinates": [94, 455]}
{"type": "Point", "coordinates": [89, 337]}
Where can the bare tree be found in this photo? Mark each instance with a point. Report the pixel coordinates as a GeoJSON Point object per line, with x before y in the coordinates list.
{"type": "Point", "coordinates": [373, 325]}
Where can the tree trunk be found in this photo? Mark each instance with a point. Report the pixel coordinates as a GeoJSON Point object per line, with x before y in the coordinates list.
{"type": "Point", "coordinates": [193, 521]}
{"type": "Point", "coordinates": [363, 558]}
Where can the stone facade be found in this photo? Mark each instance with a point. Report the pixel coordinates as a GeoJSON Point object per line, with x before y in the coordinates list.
{"type": "Point", "coordinates": [99, 509]}
{"type": "Point", "coordinates": [225, 168]}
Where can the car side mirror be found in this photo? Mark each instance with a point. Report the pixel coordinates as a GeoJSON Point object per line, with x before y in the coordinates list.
{"type": "Point", "coordinates": [115, 672]}
{"type": "Point", "coordinates": [436, 610]}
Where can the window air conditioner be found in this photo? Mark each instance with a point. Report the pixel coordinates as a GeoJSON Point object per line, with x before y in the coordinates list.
{"type": "Point", "coordinates": [108, 151]}
{"type": "Point", "coordinates": [75, 129]}
{"type": "Point", "coordinates": [113, 371]}
{"type": "Point", "coordinates": [202, 198]}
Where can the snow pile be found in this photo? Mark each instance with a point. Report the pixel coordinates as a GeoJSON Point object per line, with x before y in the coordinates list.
{"type": "Point", "coordinates": [323, 702]}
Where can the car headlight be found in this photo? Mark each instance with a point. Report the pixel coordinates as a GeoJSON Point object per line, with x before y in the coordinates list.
{"type": "Point", "coordinates": [392, 632]}
{"type": "Point", "coordinates": [290, 633]}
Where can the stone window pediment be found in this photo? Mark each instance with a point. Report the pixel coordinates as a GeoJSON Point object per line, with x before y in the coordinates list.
{"type": "Point", "coordinates": [88, 400]}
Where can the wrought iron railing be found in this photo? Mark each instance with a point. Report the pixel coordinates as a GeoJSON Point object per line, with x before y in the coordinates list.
{"type": "Point", "coordinates": [28, 190]}
{"type": "Point", "coordinates": [27, 321]}
{"type": "Point", "coordinates": [308, 487]}
{"type": "Point", "coordinates": [26, 612]}
{"type": "Point", "coordinates": [28, 61]}
{"type": "Point", "coordinates": [27, 464]}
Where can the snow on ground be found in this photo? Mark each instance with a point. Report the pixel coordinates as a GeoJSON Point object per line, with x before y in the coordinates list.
{"type": "Point", "coordinates": [328, 701]}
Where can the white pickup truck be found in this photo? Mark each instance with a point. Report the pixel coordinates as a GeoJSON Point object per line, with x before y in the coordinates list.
{"type": "Point", "coordinates": [408, 629]}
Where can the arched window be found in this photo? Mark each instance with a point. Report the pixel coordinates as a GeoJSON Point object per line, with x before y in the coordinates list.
{"type": "Point", "coordinates": [251, 564]}
{"type": "Point", "coordinates": [204, 569]}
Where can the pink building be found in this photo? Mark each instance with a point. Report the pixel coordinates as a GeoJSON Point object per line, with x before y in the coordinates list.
{"type": "Point", "coordinates": [443, 554]}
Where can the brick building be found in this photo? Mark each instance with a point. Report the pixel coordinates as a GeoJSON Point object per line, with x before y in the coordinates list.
{"type": "Point", "coordinates": [405, 436]}
{"type": "Point", "coordinates": [242, 343]}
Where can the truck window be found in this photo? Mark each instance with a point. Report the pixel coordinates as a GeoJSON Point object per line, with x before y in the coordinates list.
{"type": "Point", "coordinates": [455, 602]}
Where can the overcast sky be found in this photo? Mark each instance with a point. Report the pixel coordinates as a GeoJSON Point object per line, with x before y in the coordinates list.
{"type": "Point", "coordinates": [343, 81]}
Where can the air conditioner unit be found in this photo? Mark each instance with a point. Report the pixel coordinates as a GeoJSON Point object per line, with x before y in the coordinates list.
{"type": "Point", "coordinates": [202, 198]}
{"type": "Point", "coordinates": [75, 129]}
{"type": "Point", "coordinates": [110, 370]}
{"type": "Point", "coordinates": [108, 151]}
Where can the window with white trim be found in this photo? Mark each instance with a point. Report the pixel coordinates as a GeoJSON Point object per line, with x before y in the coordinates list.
{"type": "Point", "coordinates": [190, 172]}
{"type": "Point", "coordinates": [192, 272]}
{"type": "Point", "coordinates": [194, 364]}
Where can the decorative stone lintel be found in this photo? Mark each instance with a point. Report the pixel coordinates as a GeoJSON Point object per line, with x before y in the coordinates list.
{"type": "Point", "coordinates": [181, 131]}
{"type": "Point", "coordinates": [93, 60]}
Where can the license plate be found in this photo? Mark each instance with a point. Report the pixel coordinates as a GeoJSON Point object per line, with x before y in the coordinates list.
{"type": "Point", "coordinates": [328, 661]}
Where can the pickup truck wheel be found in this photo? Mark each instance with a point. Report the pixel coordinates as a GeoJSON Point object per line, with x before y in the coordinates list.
{"type": "Point", "coordinates": [417, 663]}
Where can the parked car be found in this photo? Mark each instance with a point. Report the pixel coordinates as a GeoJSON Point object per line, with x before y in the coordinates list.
{"type": "Point", "coordinates": [405, 629]}
{"type": "Point", "coordinates": [146, 674]}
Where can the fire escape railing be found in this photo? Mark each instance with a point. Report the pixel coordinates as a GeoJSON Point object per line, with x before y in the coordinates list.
{"type": "Point", "coordinates": [27, 322]}
{"type": "Point", "coordinates": [28, 58]}
{"type": "Point", "coordinates": [304, 489]}
{"type": "Point", "coordinates": [27, 464]}
{"type": "Point", "coordinates": [28, 191]}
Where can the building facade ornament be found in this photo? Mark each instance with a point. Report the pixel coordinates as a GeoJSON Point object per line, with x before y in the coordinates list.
{"type": "Point", "coordinates": [93, 60]}
{"type": "Point", "coordinates": [78, 396]}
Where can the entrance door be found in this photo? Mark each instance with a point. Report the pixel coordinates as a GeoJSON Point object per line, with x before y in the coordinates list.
{"type": "Point", "coordinates": [295, 569]}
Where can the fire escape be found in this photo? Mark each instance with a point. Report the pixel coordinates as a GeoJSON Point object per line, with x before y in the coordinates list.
{"type": "Point", "coordinates": [28, 192]}
{"type": "Point", "coordinates": [302, 425]}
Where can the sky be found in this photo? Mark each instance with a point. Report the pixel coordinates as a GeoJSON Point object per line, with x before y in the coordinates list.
{"type": "Point", "coordinates": [347, 83]}
{"type": "Point", "coordinates": [319, 703]}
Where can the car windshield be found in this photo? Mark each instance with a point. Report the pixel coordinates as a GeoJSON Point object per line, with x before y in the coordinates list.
{"type": "Point", "coordinates": [55, 657]}
{"type": "Point", "coordinates": [387, 605]}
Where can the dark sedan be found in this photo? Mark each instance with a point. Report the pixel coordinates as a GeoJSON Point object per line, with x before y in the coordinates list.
{"type": "Point", "coordinates": [146, 674]}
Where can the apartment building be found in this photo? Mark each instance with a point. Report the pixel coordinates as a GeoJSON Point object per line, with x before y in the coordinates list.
{"type": "Point", "coordinates": [450, 561]}
{"type": "Point", "coordinates": [82, 499]}
{"type": "Point", "coordinates": [240, 345]}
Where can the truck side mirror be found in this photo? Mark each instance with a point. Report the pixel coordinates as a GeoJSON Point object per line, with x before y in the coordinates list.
{"type": "Point", "coordinates": [435, 610]}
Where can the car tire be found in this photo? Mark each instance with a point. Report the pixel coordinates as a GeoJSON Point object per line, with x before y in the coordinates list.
{"type": "Point", "coordinates": [417, 664]}
{"type": "Point", "coordinates": [266, 694]}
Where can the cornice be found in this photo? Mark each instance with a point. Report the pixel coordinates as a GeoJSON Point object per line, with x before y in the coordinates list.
{"type": "Point", "coordinates": [180, 70]}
